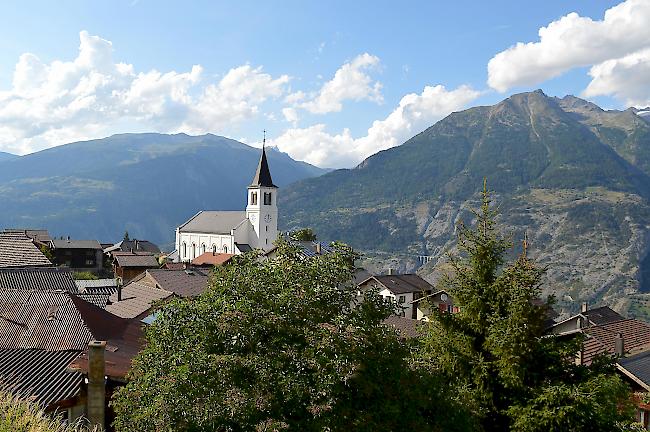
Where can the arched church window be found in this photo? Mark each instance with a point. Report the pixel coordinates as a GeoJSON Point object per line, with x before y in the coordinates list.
{"type": "Point", "coordinates": [267, 198]}
{"type": "Point", "coordinates": [253, 198]}
{"type": "Point", "coordinates": [193, 250]}
{"type": "Point", "coordinates": [214, 249]}
{"type": "Point", "coordinates": [225, 249]}
{"type": "Point", "coordinates": [184, 250]}
{"type": "Point", "coordinates": [203, 248]}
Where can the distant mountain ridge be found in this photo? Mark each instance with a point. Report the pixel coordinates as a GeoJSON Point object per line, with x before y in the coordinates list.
{"type": "Point", "coordinates": [144, 183]}
{"type": "Point", "coordinates": [6, 156]}
{"type": "Point", "coordinates": [575, 177]}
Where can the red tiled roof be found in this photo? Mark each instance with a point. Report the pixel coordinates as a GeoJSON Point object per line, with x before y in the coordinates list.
{"type": "Point", "coordinates": [601, 338]}
{"type": "Point", "coordinates": [209, 258]}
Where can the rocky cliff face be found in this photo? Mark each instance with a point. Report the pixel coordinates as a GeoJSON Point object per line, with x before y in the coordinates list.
{"type": "Point", "coordinates": [572, 176]}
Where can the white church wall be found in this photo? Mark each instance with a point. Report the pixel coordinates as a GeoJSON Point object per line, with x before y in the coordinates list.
{"type": "Point", "coordinates": [191, 244]}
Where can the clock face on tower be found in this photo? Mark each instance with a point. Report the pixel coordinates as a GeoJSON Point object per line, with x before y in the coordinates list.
{"type": "Point", "coordinates": [267, 218]}
{"type": "Point", "coordinates": [253, 218]}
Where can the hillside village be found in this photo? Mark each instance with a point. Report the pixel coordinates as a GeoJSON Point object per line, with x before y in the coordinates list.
{"type": "Point", "coordinates": [74, 311]}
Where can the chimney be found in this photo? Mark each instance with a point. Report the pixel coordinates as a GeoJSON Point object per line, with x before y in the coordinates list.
{"type": "Point", "coordinates": [96, 403]}
{"type": "Point", "coordinates": [584, 308]}
{"type": "Point", "coordinates": [579, 323]}
{"type": "Point", "coordinates": [619, 345]}
{"type": "Point", "coordinates": [580, 357]}
{"type": "Point", "coordinates": [318, 249]}
{"type": "Point", "coordinates": [137, 244]}
{"type": "Point", "coordinates": [391, 272]}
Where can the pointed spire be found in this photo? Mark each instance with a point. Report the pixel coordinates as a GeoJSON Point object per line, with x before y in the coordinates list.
{"type": "Point", "coordinates": [263, 174]}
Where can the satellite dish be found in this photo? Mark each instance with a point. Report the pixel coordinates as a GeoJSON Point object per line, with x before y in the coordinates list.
{"type": "Point", "coordinates": [443, 297]}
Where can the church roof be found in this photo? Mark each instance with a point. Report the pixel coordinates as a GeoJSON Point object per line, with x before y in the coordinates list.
{"type": "Point", "coordinates": [263, 174]}
{"type": "Point", "coordinates": [214, 222]}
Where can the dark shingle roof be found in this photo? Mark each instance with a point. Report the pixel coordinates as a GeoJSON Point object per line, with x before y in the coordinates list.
{"type": "Point", "coordinates": [404, 283]}
{"type": "Point", "coordinates": [639, 366]}
{"type": "Point", "coordinates": [263, 174]}
{"type": "Point", "coordinates": [76, 244]}
{"type": "Point", "coordinates": [38, 235]}
{"type": "Point", "coordinates": [96, 286]}
{"type": "Point", "coordinates": [134, 245]}
{"type": "Point", "coordinates": [184, 283]}
{"type": "Point", "coordinates": [40, 375]}
{"type": "Point", "coordinates": [45, 278]}
{"type": "Point", "coordinates": [98, 299]}
{"type": "Point", "coordinates": [17, 250]}
{"type": "Point", "coordinates": [141, 259]}
{"type": "Point", "coordinates": [602, 315]}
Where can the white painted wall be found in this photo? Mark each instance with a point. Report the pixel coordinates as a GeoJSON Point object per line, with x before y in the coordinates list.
{"type": "Point", "coordinates": [263, 217]}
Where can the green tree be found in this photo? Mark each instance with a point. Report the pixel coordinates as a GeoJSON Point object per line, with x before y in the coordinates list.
{"type": "Point", "coordinates": [280, 344]}
{"type": "Point", "coordinates": [84, 275]}
{"type": "Point", "coordinates": [303, 234]}
{"type": "Point", "coordinates": [494, 351]}
{"type": "Point", "coordinates": [126, 236]}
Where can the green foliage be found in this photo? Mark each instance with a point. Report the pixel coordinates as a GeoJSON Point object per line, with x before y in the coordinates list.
{"type": "Point", "coordinates": [280, 345]}
{"type": "Point", "coordinates": [304, 234]}
{"type": "Point", "coordinates": [495, 354]}
{"type": "Point", "coordinates": [18, 415]}
{"type": "Point", "coordinates": [47, 252]}
{"type": "Point", "coordinates": [126, 236]}
{"type": "Point", "coordinates": [84, 275]}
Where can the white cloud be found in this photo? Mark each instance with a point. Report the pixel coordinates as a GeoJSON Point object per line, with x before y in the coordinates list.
{"type": "Point", "coordinates": [350, 82]}
{"type": "Point", "coordinates": [62, 101]}
{"type": "Point", "coordinates": [573, 41]}
{"type": "Point", "coordinates": [414, 113]}
{"type": "Point", "coordinates": [626, 78]}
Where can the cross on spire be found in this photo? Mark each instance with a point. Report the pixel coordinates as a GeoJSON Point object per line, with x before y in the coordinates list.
{"type": "Point", "coordinates": [264, 139]}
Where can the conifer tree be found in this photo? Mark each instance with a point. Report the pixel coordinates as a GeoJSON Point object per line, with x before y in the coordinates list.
{"type": "Point", "coordinates": [495, 353]}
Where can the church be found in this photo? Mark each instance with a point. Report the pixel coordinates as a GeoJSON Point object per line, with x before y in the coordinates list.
{"type": "Point", "coordinates": [234, 232]}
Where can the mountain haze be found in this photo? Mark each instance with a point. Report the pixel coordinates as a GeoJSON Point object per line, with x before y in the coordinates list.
{"type": "Point", "coordinates": [575, 177]}
{"type": "Point", "coordinates": [144, 183]}
{"type": "Point", "coordinates": [6, 156]}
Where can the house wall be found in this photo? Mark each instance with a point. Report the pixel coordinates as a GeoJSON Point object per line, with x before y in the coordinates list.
{"type": "Point", "coordinates": [223, 242]}
{"type": "Point", "coordinates": [80, 259]}
{"type": "Point", "coordinates": [423, 308]}
{"type": "Point", "coordinates": [569, 325]}
{"type": "Point", "coordinates": [402, 300]}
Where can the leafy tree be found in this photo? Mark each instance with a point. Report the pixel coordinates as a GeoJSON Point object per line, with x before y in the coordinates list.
{"type": "Point", "coordinates": [84, 275]}
{"type": "Point", "coordinates": [126, 236]}
{"type": "Point", "coordinates": [494, 351]}
{"type": "Point", "coordinates": [47, 252]}
{"type": "Point", "coordinates": [280, 344]}
{"type": "Point", "coordinates": [303, 234]}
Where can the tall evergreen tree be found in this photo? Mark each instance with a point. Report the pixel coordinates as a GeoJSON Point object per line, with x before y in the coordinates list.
{"type": "Point", "coordinates": [495, 353]}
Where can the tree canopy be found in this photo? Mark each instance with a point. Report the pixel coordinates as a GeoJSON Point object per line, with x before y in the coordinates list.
{"type": "Point", "coordinates": [281, 344]}
{"type": "Point", "coordinates": [495, 353]}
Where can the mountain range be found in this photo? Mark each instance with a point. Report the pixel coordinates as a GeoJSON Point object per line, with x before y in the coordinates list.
{"type": "Point", "coordinates": [144, 183]}
{"type": "Point", "coordinates": [572, 177]}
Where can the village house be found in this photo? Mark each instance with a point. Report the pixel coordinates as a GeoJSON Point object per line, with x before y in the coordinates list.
{"type": "Point", "coordinates": [18, 250]}
{"type": "Point", "coordinates": [401, 289]}
{"type": "Point", "coordinates": [127, 265]}
{"type": "Point", "coordinates": [234, 232]}
{"type": "Point", "coordinates": [78, 255]}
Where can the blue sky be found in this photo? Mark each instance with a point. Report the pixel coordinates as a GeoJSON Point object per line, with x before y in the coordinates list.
{"type": "Point", "coordinates": [274, 65]}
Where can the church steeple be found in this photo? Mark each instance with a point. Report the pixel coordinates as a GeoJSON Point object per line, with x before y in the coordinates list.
{"type": "Point", "coordinates": [263, 174]}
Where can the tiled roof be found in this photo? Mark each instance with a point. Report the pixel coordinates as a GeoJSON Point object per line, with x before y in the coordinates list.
{"type": "Point", "coordinates": [17, 250]}
{"type": "Point", "coordinates": [137, 298]}
{"type": "Point", "coordinates": [602, 315]}
{"type": "Point", "coordinates": [40, 375]}
{"type": "Point", "coordinates": [404, 283]}
{"type": "Point", "coordinates": [96, 285]}
{"type": "Point", "coordinates": [213, 222]}
{"type": "Point", "coordinates": [601, 338]}
{"type": "Point", "coordinates": [98, 299]}
{"type": "Point", "coordinates": [39, 235]}
{"type": "Point", "coordinates": [76, 244]}
{"type": "Point", "coordinates": [139, 259]}
{"type": "Point", "coordinates": [406, 327]}
{"type": "Point", "coordinates": [34, 278]}
{"type": "Point", "coordinates": [184, 283]}
{"type": "Point", "coordinates": [210, 258]}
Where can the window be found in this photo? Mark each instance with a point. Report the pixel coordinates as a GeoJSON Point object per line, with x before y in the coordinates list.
{"type": "Point", "coordinates": [193, 250]}
{"type": "Point", "coordinates": [203, 248]}
{"type": "Point", "coordinates": [402, 299]}
{"type": "Point", "coordinates": [225, 248]}
{"type": "Point", "coordinates": [253, 198]}
{"type": "Point", "coordinates": [214, 249]}
{"type": "Point", "coordinates": [267, 198]}
{"type": "Point", "coordinates": [267, 228]}
{"type": "Point", "coordinates": [267, 241]}
{"type": "Point", "coordinates": [184, 250]}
